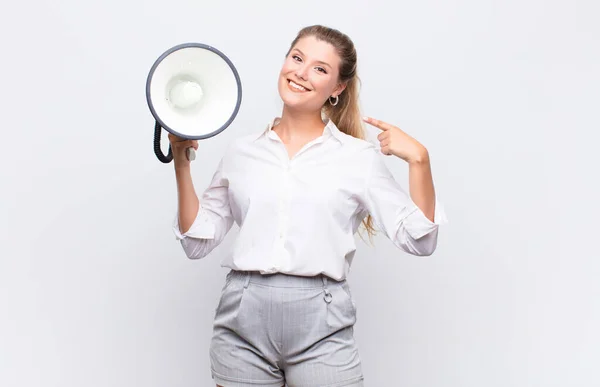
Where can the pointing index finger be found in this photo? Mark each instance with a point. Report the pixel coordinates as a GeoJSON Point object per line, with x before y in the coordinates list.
{"type": "Point", "coordinates": [380, 124]}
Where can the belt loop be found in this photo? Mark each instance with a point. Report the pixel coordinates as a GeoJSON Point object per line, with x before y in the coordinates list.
{"type": "Point", "coordinates": [247, 279]}
{"type": "Point", "coordinates": [328, 297]}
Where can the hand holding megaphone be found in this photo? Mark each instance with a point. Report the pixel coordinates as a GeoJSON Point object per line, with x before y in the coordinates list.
{"type": "Point", "coordinates": [183, 150]}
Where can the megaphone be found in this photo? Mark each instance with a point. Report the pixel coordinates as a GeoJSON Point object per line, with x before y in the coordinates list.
{"type": "Point", "coordinates": [193, 91]}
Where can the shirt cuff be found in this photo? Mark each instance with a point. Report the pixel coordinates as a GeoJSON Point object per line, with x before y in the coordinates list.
{"type": "Point", "coordinates": [418, 225]}
{"type": "Point", "coordinates": [202, 227]}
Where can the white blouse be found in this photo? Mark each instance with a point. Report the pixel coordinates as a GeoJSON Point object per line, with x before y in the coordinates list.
{"type": "Point", "coordinates": [299, 216]}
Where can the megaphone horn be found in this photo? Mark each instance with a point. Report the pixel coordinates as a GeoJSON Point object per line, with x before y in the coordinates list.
{"type": "Point", "coordinates": [193, 91]}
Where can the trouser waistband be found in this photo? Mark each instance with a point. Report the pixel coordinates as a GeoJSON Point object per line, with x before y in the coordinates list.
{"type": "Point", "coordinates": [283, 280]}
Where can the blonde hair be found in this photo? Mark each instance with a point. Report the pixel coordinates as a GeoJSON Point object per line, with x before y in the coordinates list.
{"type": "Point", "coordinates": [346, 113]}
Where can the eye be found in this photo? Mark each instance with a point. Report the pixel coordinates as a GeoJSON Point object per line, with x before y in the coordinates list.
{"type": "Point", "coordinates": [296, 58]}
{"type": "Point", "coordinates": [322, 70]}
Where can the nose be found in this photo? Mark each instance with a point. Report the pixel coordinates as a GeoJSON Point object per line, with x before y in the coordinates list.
{"type": "Point", "coordinates": [301, 72]}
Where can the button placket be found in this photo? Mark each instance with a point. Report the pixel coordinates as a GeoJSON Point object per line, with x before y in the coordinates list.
{"type": "Point", "coordinates": [284, 203]}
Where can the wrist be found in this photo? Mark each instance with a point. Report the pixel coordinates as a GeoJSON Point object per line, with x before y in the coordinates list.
{"type": "Point", "coordinates": [182, 168]}
{"type": "Point", "coordinates": [420, 157]}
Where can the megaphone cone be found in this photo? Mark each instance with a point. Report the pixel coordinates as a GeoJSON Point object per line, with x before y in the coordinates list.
{"type": "Point", "coordinates": [194, 92]}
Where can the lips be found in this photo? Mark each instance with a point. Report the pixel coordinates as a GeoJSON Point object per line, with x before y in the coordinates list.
{"type": "Point", "coordinates": [296, 86]}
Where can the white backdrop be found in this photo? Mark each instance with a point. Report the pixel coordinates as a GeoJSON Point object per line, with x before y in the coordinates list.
{"type": "Point", "coordinates": [96, 291]}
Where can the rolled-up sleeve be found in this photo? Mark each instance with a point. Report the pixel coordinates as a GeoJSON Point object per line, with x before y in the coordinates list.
{"type": "Point", "coordinates": [395, 213]}
{"type": "Point", "coordinates": [213, 221]}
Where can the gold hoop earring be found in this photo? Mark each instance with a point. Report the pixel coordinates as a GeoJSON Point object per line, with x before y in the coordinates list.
{"type": "Point", "coordinates": [337, 99]}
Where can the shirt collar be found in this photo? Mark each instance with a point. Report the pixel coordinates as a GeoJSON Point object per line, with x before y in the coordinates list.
{"type": "Point", "coordinates": [330, 129]}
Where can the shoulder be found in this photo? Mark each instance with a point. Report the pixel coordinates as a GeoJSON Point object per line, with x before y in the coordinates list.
{"type": "Point", "coordinates": [356, 144]}
{"type": "Point", "coordinates": [361, 147]}
{"type": "Point", "coordinates": [242, 141]}
{"type": "Point", "coordinates": [362, 150]}
{"type": "Point", "coordinates": [357, 158]}
{"type": "Point", "coordinates": [251, 138]}
{"type": "Point", "coordinates": [247, 138]}
{"type": "Point", "coordinates": [243, 146]}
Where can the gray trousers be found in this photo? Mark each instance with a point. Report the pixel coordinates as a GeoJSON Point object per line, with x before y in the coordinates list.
{"type": "Point", "coordinates": [271, 330]}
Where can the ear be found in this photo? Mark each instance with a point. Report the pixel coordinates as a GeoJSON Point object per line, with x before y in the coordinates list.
{"type": "Point", "coordinates": [339, 89]}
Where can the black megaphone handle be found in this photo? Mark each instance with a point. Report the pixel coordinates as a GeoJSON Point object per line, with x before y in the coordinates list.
{"type": "Point", "coordinates": [157, 151]}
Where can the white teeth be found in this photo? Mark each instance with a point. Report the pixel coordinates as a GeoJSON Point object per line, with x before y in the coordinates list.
{"type": "Point", "coordinates": [297, 86]}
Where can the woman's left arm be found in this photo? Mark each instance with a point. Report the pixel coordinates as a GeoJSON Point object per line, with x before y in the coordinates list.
{"type": "Point", "coordinates": [394, 141]}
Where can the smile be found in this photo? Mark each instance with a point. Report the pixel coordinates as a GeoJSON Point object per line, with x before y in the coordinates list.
{"type": "Point", "coordinates": [296, 87]}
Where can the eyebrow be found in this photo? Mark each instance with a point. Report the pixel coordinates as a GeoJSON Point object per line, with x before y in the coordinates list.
{"type": "Point", "coordinates": [319, 61]}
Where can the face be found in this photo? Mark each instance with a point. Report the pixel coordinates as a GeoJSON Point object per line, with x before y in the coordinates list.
{"type": "Point", "coordinates": [309, 75]}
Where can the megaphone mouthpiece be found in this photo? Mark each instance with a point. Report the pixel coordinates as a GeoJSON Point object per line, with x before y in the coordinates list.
{"type": "Point", "coordinates": [185, 94]}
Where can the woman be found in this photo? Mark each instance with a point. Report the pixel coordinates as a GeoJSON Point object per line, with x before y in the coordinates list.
{"type": "Point", "coordinates": [299, 191]}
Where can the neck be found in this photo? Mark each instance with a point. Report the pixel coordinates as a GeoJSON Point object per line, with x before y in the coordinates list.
{"type": "Point", "coordinates": [298, 125]}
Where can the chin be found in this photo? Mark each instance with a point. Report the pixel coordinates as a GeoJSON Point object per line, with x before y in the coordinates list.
{"type": "Point", "coordinates": [293, 101]}
{"type": "Point", "coordinates": [297, 101]}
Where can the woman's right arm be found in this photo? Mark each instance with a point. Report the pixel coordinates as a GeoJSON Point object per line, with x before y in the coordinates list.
{"type": "Point", "coordinates": [188, 202]}
{"type": "Point", "coordinates": [201, 223]}
{"type": "Point", "coordinates": [187, 198]}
